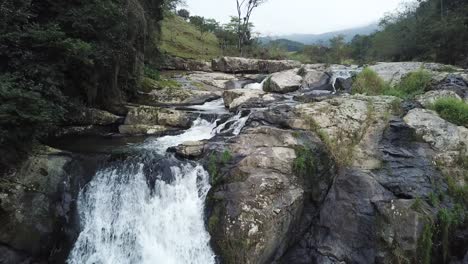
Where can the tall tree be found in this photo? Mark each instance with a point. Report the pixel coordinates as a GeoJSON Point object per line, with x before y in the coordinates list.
{"type": "Point", "coordinates": [245, 9]}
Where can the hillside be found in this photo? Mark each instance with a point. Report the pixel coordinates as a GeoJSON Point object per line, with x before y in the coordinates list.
{"type": "Point", "coordinates": [286, 44]}
{"type": "Point", "coordinates": [181, 39]}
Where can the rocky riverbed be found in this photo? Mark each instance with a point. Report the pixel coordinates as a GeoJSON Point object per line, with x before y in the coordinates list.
{"type": "Point", "coordinates": [300, 169]}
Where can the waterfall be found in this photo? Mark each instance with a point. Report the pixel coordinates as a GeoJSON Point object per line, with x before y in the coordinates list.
{"type": "Point", "coordinates": [256, 86]}
{"type": "Point", "coordinates": [344, 73]}
{"type": "Point", "coordinates": [126, 219]}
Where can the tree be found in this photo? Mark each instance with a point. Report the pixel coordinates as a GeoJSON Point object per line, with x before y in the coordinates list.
{"type": "Point", "coordinates": [244, 12]}
{"type": "Point", "coordinates": [338, 49]}
{"type": "Point", "coordinates": [183, 13]}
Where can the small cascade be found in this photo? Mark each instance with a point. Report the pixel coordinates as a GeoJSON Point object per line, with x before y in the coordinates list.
{"type": "Point", "coordinates": [343, 73]}
{"type": "Point", "coordinates": [234, 124]}
{"type": "Point", "coordinates": [212, 107]}
{"type": "Point", "coordinates": [256, 86]}
{"type": "Point", "coordinates": [149, 208]}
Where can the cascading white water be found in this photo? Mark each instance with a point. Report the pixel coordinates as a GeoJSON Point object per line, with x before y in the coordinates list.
{"type": "Point", "coordinates": [256, 86]}
{"type": "Point", "coordinates": [236, 123]}
{"type": "Point", "coordinates": [124, 221]}
{"type": "Point", "coordinates": [344, 73]}
{"type": "Point", "coordinates": [212, 107]}
{"type": "Point", "coordinates": [200, 130]}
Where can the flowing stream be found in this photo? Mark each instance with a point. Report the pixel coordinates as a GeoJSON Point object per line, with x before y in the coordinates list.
{"type": "Point", "coordinates": [149, 208]}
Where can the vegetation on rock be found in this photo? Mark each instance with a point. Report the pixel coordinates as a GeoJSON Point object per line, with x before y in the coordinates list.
{"type": "Point", "coordinates": [452, 110]}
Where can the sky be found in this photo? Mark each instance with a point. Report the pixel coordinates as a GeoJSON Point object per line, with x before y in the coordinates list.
{"type": "Point", "coordinates": [278, 17]}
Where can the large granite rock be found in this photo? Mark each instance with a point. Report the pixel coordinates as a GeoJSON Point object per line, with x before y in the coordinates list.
{"type": "Point", "coordinates": [283, 82]}
{"type": "Point", "coordinates": [439, 133]}
{"type": "Point", "coordinates": [92, 116]}
{"type": "Point", "coordinates": [431, 97]}
{"type": "Point", "coordinates": [314, 79]}
{"type": "Point", "coordinates": [392, 72]}
{"type": "Point", "coordinates": [181, 64]}
{"type": "Point", "coordinates": [38, 222]}
{"type": "Point", "coordinates": [259, 194]}
{"type": "Point", "coordinates": [351, 125]}
{"type": "Point", "coordinates": [246, 65]}
{"type": "Point", "coordinates": [176, 97]}
{"type": "Point", "coordinates": [215, 79]}
{"type": "Point", "coordinates": [237, 98]}
{"type": "Point", "coordinates": [153, 120]}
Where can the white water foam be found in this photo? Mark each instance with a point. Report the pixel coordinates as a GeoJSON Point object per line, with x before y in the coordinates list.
{"type": "Point", "coordinates": [124, 222]}
{"type": "Point", "coordinates": [214, 107]}
{"type": "Point", "coordinates": [200, 130]}
{"type": "Point", "coordinates": [256, 86]}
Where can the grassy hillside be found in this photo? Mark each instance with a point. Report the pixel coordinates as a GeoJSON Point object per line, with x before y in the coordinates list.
{"type": "Point", "coordinates": [181, 39]}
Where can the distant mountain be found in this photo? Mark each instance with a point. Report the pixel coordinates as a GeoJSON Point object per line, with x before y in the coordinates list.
{"type": "Point", "coordinates": [286, 44]}
{"type": "Point", "coordinates": [325, 37]}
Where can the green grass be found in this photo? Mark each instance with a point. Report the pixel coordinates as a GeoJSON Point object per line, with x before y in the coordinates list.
{"type": "Point", "coordinates": [452, 110]}
{"type": "Point", "coordinates": [181, 39]}
{"type": "Point", "coordinates": [370, 83]}
{"type": "Point", "coordinates": [413, 84]}
{"type": "Point", "coordinates": [298, 56]}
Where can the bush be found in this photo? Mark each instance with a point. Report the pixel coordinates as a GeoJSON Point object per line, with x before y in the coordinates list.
{"type": "Point", "coordinates": [369, 83]}
{"type": "Point", "coordinates": [411, 85]}
{"type": "Point", "coordinates": [452, 110]}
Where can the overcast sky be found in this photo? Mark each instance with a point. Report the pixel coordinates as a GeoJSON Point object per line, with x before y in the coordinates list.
{"type": "Point", "coordinates": [300, 16]}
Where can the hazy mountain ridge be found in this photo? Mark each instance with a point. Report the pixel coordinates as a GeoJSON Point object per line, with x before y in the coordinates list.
{"type": "Point", "coordinates": [324, 37]}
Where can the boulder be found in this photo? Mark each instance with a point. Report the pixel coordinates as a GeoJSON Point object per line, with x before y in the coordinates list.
{"type": "Point", "coordinates": [352, 126]}
{"type": "Point", "coordinates": [400, 226]}
{"type": "Point", "coordinates": [93, 116]}
{"type": "Point", "coordinates": [181, 64]}
{"type": "Point", "coordinates": [189, 149]}
{"type": "Point", "coordinates": [246, 65]}
{"type": "Point", "coordinates": [175, 97]}
{"type": "Point", "coordinates": [431, 97]}
{"type": "Point", "coordinates": [283, 82]}
{"type": "Point", "coordinates": [236, 98]}
{"type": "Point", "coordinates": [407, 165]}
{"type": "Point", "coordinates": [258, 197]}
{"type": "Point", "coordinates": [215, 79]}
{"type": "Point", "coordinates": [151, 116]}
{"type": "Point", "coordinates": [344, 85]}
{"type": "Point", "coordinates": [440, 134]}
{"type": "Point", "coordinates": [345, 231]}
{"type": "Point", "coordinates": [37, 206]}
{"type": "Point", "coordinates": [271, 66]}
{"type": "Point", "coordinates": [235, 65]}
{"type": "Point", "coordinates": [141, 129]}
{"type": "Point", "coordinates": [455, 83]}
{"type": "Point", "coordinates": [314, 79]}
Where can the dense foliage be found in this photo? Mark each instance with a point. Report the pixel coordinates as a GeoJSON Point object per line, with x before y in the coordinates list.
{"type": "Point", "coordinates": [55, 55]}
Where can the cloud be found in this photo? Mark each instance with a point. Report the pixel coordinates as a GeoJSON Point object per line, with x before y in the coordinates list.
{"type": "Point", "coordinates": [300, 16]}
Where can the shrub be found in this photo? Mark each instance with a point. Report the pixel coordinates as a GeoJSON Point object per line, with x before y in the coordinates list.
{"type": "Point", "coordinates": [368, 82]}
{"type": "Point", "coordinates": [411, 85]}
{"type": "Point", "coordinates": [151, 73]}
{"type": "Point", "coordinates": [452, 110]}
{"type": "Point", "coordinates": [304, 164]}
